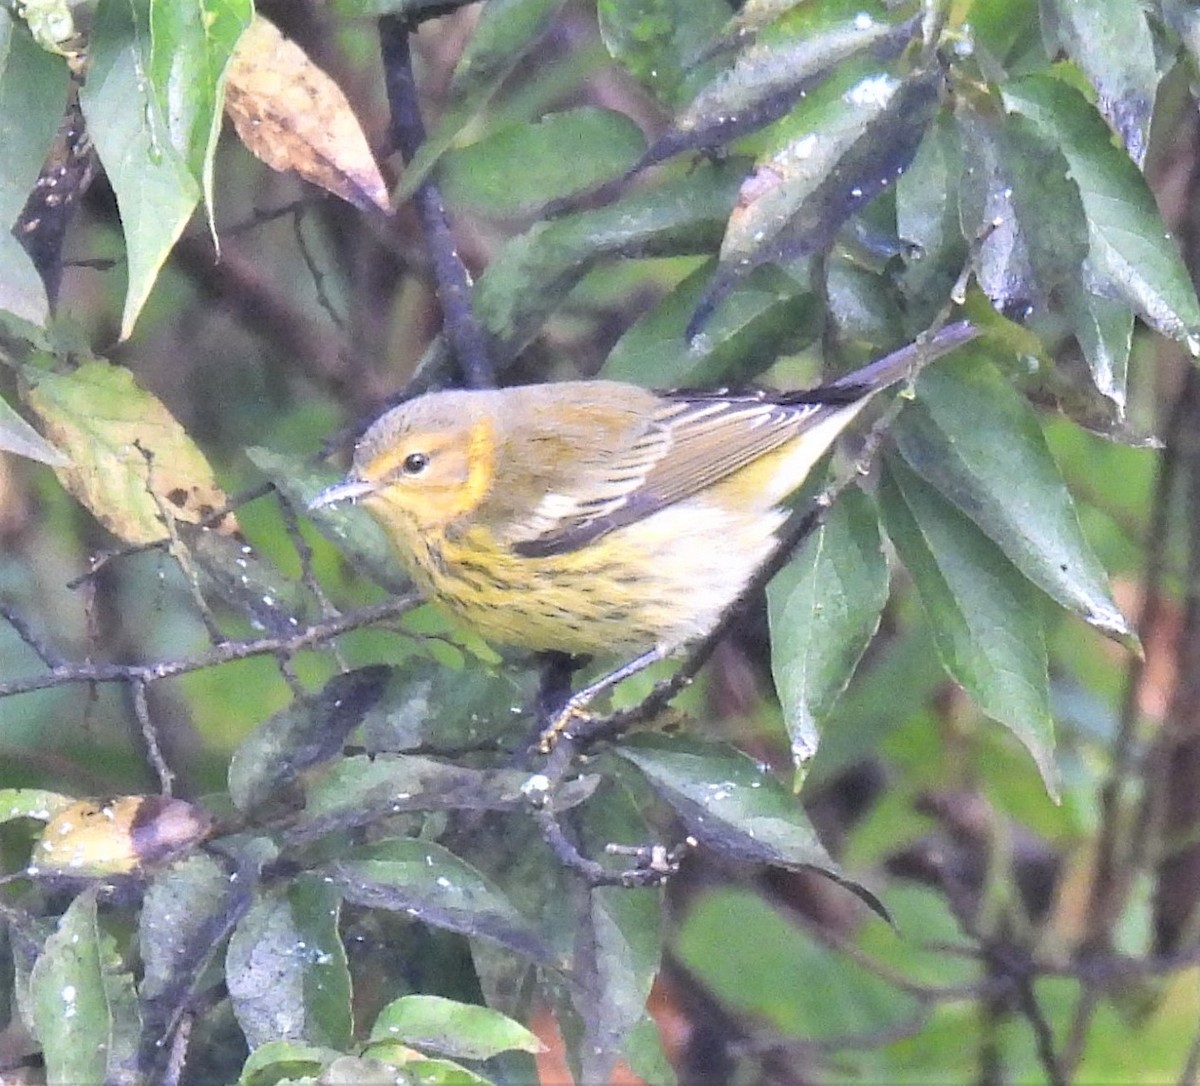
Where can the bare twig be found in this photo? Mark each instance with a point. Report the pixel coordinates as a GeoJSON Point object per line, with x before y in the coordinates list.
{"type": "Point", "coordinates": [141, 708]}
{"type": "Point", "coordinates": [316, 634]}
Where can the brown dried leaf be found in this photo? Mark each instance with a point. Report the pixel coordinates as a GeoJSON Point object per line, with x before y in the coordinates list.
{"type": "Point", "coordinates": [293, 116]}
{"type": "Point", "coordinates": [130, 460]}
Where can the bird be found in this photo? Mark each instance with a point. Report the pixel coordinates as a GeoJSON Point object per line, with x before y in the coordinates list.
{"type": "Point", "coordinates": [595, 517]}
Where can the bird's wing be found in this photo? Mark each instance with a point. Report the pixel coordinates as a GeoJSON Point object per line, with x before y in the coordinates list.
{"type": "Point", "coordinates": [690, 442]}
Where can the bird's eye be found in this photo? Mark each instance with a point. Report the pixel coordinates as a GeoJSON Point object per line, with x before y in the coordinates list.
{"type": "Point", "coordinates": [415, 463]}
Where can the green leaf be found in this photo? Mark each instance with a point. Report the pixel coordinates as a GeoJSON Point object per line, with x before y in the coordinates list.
{"type": "Point", "coordinates": [660, 41]}
{"type": "Point", "coordinates": [983, 612]}
{"type": "Point", "coordinates": [191, 44]}
{"type": "Point", "coordinates": [833, 154]}
{"type": "Point", "coordinates": [759, 321]}
{"type": "Point", "coordinates": [278, 1062]}
{"type": "Point", "coordinates": [309, 731]}
{"type": "Point", "coordinates": [1113, 45]}
{"type": "Point", "coordinates": [618, 943]}
{"type": "Point", "coordinates": [977, 441]}
{"type": "Point", "coordinates": [732, 804]}
{"type": "Point", "coordinates": [536, 270]}
{"type": "Point", "coordinates": [362, 788]}
{"type": "Point", "coordinates": [22, 292]}
{"type": "Point", "coordinates": [766, 967]}
{"type": "Point", "coordinates": [927, 218]}
{"type": "Point", "coordinates": [784, 65]}
{"type": "Point", "coordinates": [460, 1030]}
{"type": "Point", "coordinates": [156, 192]}
{"type": "Point", "coordinates": [1130, 255]}
{"type": "Point", "coordinates": [505, 32]}
{"type": "Point", "coordinates": [17, 436]}
{"type": "Point", "coordinates": [181, 927]}
{"type": "Point", "coordinates": [1016, 195]}
{"type": "Point", "coordinates": [84, 1006]}
{"type": "Point", "coordinates": [521, 167]}
{"type": "Point", "coordinates": [33, 96]}
{"type": "Point", "coordinates": [286, 968]}
{"type": "Point", "coordinates": [824, 607]}
{"type": "Point", "coordinates": [429, 883]}
{"type": "Point", "coordinates": [429, 706]}
{"type": "Point", "coordinates": [35, 803]}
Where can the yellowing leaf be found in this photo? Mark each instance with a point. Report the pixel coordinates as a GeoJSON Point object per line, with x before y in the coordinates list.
{"type": "Point", "coordinates": [130, 458]}
{"type": "Point", "coordinates": [118, 835]}
{"type": "Point", "coordinates": [293, 116]}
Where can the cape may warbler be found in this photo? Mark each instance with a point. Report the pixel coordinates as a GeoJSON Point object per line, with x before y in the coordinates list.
{"type": "Point", "coordinates": [596, 517]}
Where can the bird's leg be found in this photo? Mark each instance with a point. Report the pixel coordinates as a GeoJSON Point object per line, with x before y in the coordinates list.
{"type": "Point", "coordinates": [575, 707]}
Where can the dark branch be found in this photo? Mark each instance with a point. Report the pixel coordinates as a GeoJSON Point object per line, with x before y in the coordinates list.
{"type": "Point", "coordinates": [453, 280]}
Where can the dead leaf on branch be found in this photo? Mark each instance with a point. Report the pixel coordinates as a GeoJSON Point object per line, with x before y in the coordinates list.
{"type": "Point", "coordinates": [293, 116]}
{"type": "Point", "coordinates": [131, 462]}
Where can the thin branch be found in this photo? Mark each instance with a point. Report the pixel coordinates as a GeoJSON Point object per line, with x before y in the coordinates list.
{"type": "Point", "coordinates": [141, 708]}
{"type": "Point", "coordinates": [25, 632]}
{"type": "Point", "coordinates": [316, 634]}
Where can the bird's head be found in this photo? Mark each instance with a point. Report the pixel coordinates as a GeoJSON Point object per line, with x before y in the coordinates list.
{"type": "Point", "coordinates": [424, 463]}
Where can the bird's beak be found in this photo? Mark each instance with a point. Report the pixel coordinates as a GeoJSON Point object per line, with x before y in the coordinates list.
{"type": "Point", "coordinates": [347, 490]}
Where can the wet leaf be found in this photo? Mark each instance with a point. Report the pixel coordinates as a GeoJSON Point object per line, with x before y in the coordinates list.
{"type": "Point", "coordinates": [983, 612]}
{"type": "Point", "coordinates": [1131, 256]}
{"type": "Point", "coordinates": [618, 944]}
{"type": "Point", "coordinates": [733, 805]}
{"type": "Point", "coordinates": [1017, 196]}
{"type": "Point", "coordinates": [184, 919]}
{"type": "Point", "coordinates": [286, 968]}
{"type": "Point", "coordinates": [293, 116]}
{"type": "Point", "coordinates": [310, 730]}
{"type": "Point", "coordinates": [430, 707]}
{"type": "Point", "coordinates": [841, 147]}
{"type": "Point", "coordinates": [824, 607]}
{"type": "Point", "coordinates": [131, 462]}
{"type": "Point", "coordinates": [971, 436]}
{"type": "Point", "coordinates": [117, 836]}
{"type": "Point", "coordinates": [362, 789]}
{"type": "Point", "coordinates": [1113, 45]}
{"type": "Point", "coordinates": [22, 292]}
{"type": "Point", "coordinates": [83, 1004]}
{"type": "Point", "coordinates": [156, 192]}
{"type": "Point", "coordinates": [229, 567]}
{"type": "Point", "coordinates": [280, 1063]}
{"type": "Point", "coordinates": [191, 46]}
{"type": "Point", "coordinates": [427, 882]}
{"type": "Point", "coordinates": [770, 76]}
{"type": "Point", "coordinates": [461, 1030]}
{"type": "Point", "coordinates": [927, 219]}
{"type": "Point", "coordinates": [33, 95]}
